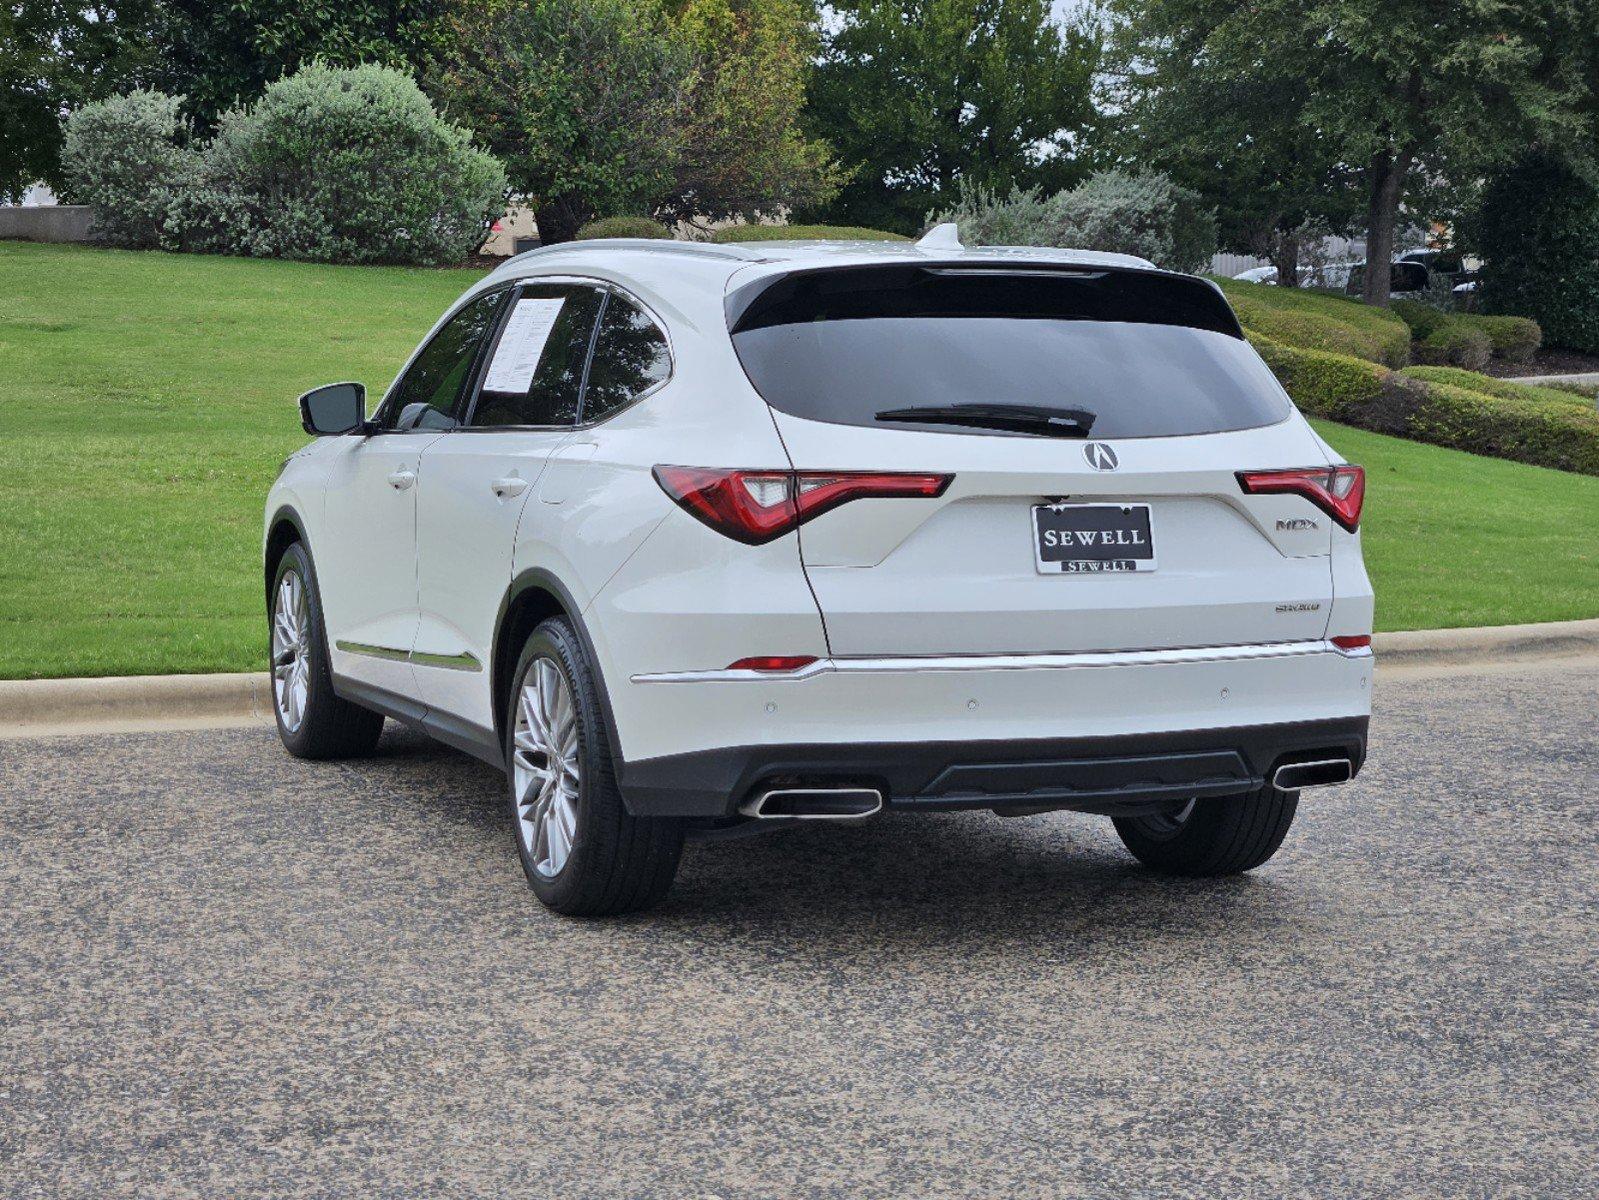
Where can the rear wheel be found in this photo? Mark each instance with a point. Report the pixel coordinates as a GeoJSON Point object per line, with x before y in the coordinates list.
{"type": "Point", "coordinates": [312, 721]}
{"type": "Point", "coordinates": [583, 853]}
{"type": "Point", "coordinates": [1222, 836]}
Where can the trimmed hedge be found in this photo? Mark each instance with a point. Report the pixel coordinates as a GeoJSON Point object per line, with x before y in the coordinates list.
{"type": "Point", "coordinates": [1505, 389]}
{"type": "Point", "coordinates": [1423, 319]}
{"type": "Point", "coordinates": [783, 233]}
{"type": "Point", "coordinates": [1320, 321]}
{"type": "Point", "coordinates": [1350, 390]}
{"type": "Point", "coordinates": [1515, 339]}
{"type": "Point", "coordinates": [1455, 344]}
{"type": "Point", "coordinates": [623, 227]}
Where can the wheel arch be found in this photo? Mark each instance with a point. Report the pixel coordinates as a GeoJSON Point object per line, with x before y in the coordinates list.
{"type": "Point", "coordinates": [283, 531]}
{"type": "Point", "coordinates": [535, 595]}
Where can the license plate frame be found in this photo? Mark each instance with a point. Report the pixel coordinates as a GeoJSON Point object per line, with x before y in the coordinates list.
{"type": "Point", "coordinates": [1128, 525]}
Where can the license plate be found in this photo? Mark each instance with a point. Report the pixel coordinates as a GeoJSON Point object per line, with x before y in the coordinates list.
{"type": "Point", "coordinates": [1092, 539]}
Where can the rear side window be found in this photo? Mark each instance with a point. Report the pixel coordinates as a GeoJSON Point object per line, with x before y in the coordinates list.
{"type": "Point", "coordinates": [630, 357]}
{"type": "Point", "coordinates": [1133, 354]}
{"type": "Point", "coordinates": [535, 372]}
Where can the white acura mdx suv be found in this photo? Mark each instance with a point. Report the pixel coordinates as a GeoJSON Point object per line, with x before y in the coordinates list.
{"type": "Point", "coordinates": [697, 540]}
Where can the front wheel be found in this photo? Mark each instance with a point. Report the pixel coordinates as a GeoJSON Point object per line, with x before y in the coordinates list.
{"type": "Point", "coordinates": [583, 853]}
{"type": "Point", "coordinates": [1226, 835]}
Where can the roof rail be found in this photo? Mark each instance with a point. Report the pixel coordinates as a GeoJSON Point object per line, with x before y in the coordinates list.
{"type": "Point", "coordinates": [647, 245]}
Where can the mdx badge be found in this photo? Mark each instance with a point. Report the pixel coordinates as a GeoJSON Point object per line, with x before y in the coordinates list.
{"type": "Point", "coordinates": [1297, 523]}
{"type": "Point", "coordinates": [1101, 457]}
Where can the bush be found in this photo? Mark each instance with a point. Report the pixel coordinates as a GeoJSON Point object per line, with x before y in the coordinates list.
{"type": "Point", "coordinates": [351, 166]}
{"type": "Point", "coordinates": [1320, 321]}
{"type": "Point", "coordinates": [623, 227]}
{"type": "Point", "coordinates": [1539, 232]}
{"type": "Point", "coordinates": [1533, 430]}
{"type": "Point", "coordinates": [1457, 344]}
{"type": "Point", "coordinates": [826, 233]}
{"type": "Point", "coordinates": [129, 158]}
{"type": "Point", "coordinates": [1515, 339]}
{"type": "Point", "coordinates": [1504, 389]}
{"type": "Point", "coordinates": [1116, 211]}
{"type": "Point", "coordinates": [1423, 319]}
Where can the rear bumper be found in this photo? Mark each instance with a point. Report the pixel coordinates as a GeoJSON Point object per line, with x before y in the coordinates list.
{"type": "Point", "coordinates": [1094, 732]}
{"type": "Point", "coordinates": [1117, 776]}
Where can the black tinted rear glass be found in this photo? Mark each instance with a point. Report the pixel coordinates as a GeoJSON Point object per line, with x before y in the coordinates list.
{"type": "Point", "coordinates": [1146, 354]}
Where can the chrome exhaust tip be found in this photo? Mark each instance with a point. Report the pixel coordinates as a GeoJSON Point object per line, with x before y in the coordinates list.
{"type": "Point", "coordinates": [1293, 776]}
{"type": "Point", "coordinates": [814, 804]}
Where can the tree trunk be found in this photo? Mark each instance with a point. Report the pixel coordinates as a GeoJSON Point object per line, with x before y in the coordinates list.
{"type": "Point", "coordinates": [1386, 179]}
{"type": "Point", "coordinates": [1285, 257]}
{"type": "Point", "coordinates": [560, 219]}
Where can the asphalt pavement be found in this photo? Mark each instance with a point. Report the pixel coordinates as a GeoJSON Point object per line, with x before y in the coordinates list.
{"type": "Point", "coordinates": [227, 973]}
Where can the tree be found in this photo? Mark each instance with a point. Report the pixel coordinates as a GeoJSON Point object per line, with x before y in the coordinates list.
{"type": "Point", "coordinates": [55, 56]}
{"type": "Point", "coordinates": [1408, 93]}
{"type": "Point", "coordinates": [586, 102]}
{"type": "Point", "coordinates": [627, 107]}
{"type": "Point", "coordinates": [219, 55]}
{"type": "Point", "coordinates": [919, 94]}
{"type": "Point", "coordinates": [745, 151]}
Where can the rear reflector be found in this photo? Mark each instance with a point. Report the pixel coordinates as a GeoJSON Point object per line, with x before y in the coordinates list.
{"type": "Point", "coordinates": [1337, 491]}
{"type": "Point", "coordinates": [1353, 642]}
{"type": "Point", "coordinates": [755, 507]}
{"type": "Point", "coordinates": [773, 662]}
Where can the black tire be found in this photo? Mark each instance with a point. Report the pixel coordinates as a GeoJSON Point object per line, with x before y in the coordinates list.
{"type": "Point", "coordinates": [1223, 836]}
{"type": "Point", "coordinates": [328, 726]}
{"type": "Point", "coordinates": [617, 863]}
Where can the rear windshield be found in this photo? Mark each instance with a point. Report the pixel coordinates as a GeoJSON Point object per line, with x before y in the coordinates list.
{"type": "Point", "coordinates": [1132, 354]}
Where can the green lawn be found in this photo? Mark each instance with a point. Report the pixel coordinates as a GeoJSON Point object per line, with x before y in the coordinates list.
{"type": "Point", "coordinates": [147, 399]}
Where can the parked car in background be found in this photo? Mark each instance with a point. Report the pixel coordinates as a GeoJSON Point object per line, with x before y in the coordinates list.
{"type": "Point", "coordinates": [692, 541]}
{"type": "Point", "coordinates": [1258, 275]}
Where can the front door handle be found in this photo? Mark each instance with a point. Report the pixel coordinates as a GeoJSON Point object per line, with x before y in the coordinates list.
{"type": "Point", "coordinates": [511, 486]}
{"type": "Point", "coordinates": [402, 479]}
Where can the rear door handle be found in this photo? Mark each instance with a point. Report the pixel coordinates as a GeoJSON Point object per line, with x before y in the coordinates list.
{"type": "Point", "coordinates": [402, 479]}
{"type": "Point", "coordinates": [511, 486]}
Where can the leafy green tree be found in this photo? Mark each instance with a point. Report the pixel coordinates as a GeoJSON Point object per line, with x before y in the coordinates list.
{"type": "Point", "coordinates": [1408, 93]}
{"type": "Point", "coordinates": [56, 55]}
{"type": "Point", "coordinates": [219, 55]}
{"type": "Point", "coordinates": [919, 94]}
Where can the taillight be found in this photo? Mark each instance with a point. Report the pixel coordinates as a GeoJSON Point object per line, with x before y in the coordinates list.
{"type": "Point", "coordinates": [757, 506]}
{"type": "Point", "coordinates": [1360, 641]}
{"type": "Point", "coordinates": [773, 662]}
{"type": "Point", "coordinates": [1337, 491]}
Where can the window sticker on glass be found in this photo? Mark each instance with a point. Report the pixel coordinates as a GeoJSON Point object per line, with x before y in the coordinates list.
{"type": "Point", "coordinates": [521, 346]}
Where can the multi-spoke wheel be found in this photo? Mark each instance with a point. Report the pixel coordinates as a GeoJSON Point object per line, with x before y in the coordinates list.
{"type": "Point", "coordinates": [583, 852]}
{"type": "Point", "coordinates": [312, 721]}
{"type": "Point", "coordinates": [291, 659]}
{"type": "Point", "coordinates": [545, 769]}
{"type": "Point", "coordinates": [1220, 836]}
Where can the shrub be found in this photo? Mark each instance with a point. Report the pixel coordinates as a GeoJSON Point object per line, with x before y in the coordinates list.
{"type": "Point", "coordinates": [1117, 211]}
{"type": "Point", "coordinates": [129, 158]}
{"type": "Point", "coordinates": [1456, 344]}
{"type": "Point", "coordinates": [1504, 389]}
{"type": "Point", "coordinates": [830, 233]}
{"type": "Point", "coordinates": [1355, 392]}
{"type": "Point", "coordinates": [1539, 231]}
{"type": "Point", "coordinates": [623, 227]}
{"type": "Point", "coordinates": [338, 165]}
{"type": "Point", "coordinates": [1320, 321]}
{"type": "Point", "coordinates": [1515, 339]}
{"type": "Point", "coordinates": [1423, 319]}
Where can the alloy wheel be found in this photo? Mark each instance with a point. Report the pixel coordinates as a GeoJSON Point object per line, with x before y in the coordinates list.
{"type": "Point", "coordinates": [291, 659]}
{"type": "Point", "coordinates": [1168, 822]}
{"type": "Point", "coordinates": [545, 772]}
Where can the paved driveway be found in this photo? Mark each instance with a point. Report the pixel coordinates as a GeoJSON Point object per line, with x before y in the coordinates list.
{"type": "Point", "coordinates": [227, 973]}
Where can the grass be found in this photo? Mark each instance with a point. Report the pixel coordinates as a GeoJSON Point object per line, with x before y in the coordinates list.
{"type": "Point", "coordinates": [147, 399]}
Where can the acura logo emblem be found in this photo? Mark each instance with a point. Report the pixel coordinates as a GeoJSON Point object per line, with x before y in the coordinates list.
{"type": "Point", "coordinates": [1101, 457]}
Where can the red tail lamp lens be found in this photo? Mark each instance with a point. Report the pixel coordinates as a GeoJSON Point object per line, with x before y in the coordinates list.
{"type": "Point", "coordinates": [755, 507]}
{"type": "Point", "coordinates": [773, 662]}
{"type": "Point", "coordinates": [1337, 491]}
{"type": "Point", "coordinates": [1355, 642]}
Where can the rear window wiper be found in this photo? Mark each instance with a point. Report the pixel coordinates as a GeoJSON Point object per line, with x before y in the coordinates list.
{"type": "Point", "coordinates": [1013, 418]}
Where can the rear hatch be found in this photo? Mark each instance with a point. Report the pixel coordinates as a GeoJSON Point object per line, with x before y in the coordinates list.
{"type": "Point", "coordinates": [1093, 421]}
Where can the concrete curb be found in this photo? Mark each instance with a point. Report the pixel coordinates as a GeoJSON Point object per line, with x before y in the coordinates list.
{"type": "Point", "coordinates": [37, 707]}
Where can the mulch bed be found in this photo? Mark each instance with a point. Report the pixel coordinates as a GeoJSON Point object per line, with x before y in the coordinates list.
{"type": "Point", "coordinates": [1550, 361]}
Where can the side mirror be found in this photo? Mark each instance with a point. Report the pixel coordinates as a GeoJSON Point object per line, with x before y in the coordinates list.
{"type": "Point", "coordinates": [333, 409]}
